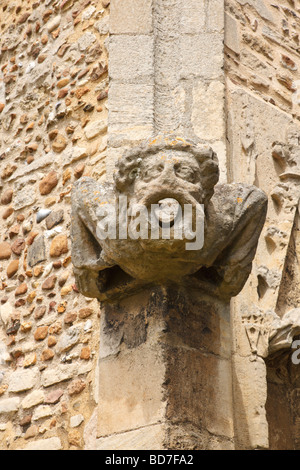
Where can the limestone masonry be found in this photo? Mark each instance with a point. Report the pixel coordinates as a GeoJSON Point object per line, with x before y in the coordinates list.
{"type": "Point", "coordinates": [103, 346]}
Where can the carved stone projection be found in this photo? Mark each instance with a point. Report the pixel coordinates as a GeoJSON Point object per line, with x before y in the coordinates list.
{"type": "Point", "coordinates": [268, 334]}
{"type": "Point", "coordinates": [168, 172]}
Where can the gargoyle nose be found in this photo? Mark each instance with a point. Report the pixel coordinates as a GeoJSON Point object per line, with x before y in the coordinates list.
{"type": "Point", "coordinates": [168, 174]}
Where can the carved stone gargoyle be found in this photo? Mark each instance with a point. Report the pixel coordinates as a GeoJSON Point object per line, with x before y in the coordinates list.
{"type": "Point", "coordinates": [169, 174]}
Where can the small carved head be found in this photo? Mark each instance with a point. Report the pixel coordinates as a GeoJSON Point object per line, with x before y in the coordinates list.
{"type": "Point", "coordinates": [168, 167]}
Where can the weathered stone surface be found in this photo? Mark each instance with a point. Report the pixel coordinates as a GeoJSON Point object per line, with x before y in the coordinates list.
{"type": "Point", "coordinates": [25, 197]}
{"type": "Point", "coordinates": [50, 443]}
{"type": "Point", "coordinates": [22, 380]}
{"type": "Point", "coordinates": [232, 39]}
{"type": "Point", "coordinates": [21, 289]}
{"type": "Point", "coordinates": [58, 374]}
{"type": "Point", "coordinates": [76, 387]}
{"type": "Point", "coordinates": [260, 7]}
{"type": "Point", "coordinates": [131, 58]}
{"type": "Point", "coordinates": [85, 41]}
{"type": "Point", "coordinates": [131, 17]}
{"type": "Point", "coordinates": [5, 250]}
{"type": "Point", "coordinates": [207, 116]}
{"type": "Point", "coordinates": [6, 196]}
{"type": "Point", "coordinates": [32, 399]}
{"type": "Point", "coordinates": [42, 411]}
{"type": "Point", "coordinates": [18, 246]}
{"type": "Point", "coordinates": [54, 219]}
{"type": "Point", "coordinates": [94, 129]}
{"type": "Point", "coordinates": [124, 111]}
{"type": "Point", "coordinates": [37, 251]}
{"type": "Point", "coordinates": [12, 268]}
{"type": "Point", "coordinates": [138, 438]}
{"type": "Point", "coordinates": [59, 143]}
{"type": "Point", "coordinates": [48, 183]}
{"type": "Point", "coordinates": [54, 396]}
{"type": "Point", "coordinates": [9, 405]}
{"type": "Point", "coordinates": [68, 339]}
{"type": "Point", "coordinates": [146, 397]}
{"type": "Point", "coordinates": [59, 246]}
{"type": "Point", "coordinates": [195, 49]}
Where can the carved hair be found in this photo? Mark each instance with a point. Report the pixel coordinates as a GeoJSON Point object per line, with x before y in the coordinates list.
{"type": "Point", "coordinates": [128, 165]}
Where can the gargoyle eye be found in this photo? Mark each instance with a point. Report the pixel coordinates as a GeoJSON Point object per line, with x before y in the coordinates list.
{"type": "Point", "coordinates": [186, 173]}
{"type": "Point", "coordinates": [134, 173]}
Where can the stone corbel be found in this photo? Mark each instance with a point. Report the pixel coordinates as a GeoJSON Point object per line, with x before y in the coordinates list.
{"type": "Point", "coordinates": [170, 173]}
{"type": "Point", "coordinates": [283, 331]}
{"type": "Point", "coordinates": [268, 334]}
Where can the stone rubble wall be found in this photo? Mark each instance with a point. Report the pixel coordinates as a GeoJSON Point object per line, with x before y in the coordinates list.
{"type": "Point", "coordinates": [53, 125]}
{"type": "Point", "coordinates": [262, 50]}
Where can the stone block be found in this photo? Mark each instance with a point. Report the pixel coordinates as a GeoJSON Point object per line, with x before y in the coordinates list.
{"type": "Point", "coordinates": [126, 399]}
{"type": "Point", "coordinates": [54, 219]}
{"type": "Point", "coordinates": [192, 16]}
{"type": "Point", "coordinates": [9, 405]}
{"type": "Point", "coordinates": [131, 58]}
{"type": "Point", "coordinates": [22, 380]}
{"type": "Point", "coordinates": [249, 404]}
{"type": "Point", "coordinates": [57, 375]}
{"type": "Point", "coordinates": [37, 251]}
{"type": "Point", "coordinates": [199, 390]}
{"type": "Point", "coordinates": [42, 411]}
{"type": "Point", "coordinates": [260, 7]}
{"type": "Point", "coordinates": [51, 443]}
{"type": "Point", "coordinates": [232, 40]}
{"type": "Point", "coordinates": [149, 438]}
{"type": "Point", "coordinates": [68, 339]}
{"type": "Point", "coordinates": [208, 110]}
{"type": "Point", "coordinates": [86, 40]}
{"type": "Point", "coordinates": [32, 399]}
{"type": "Point", "coordinates": [95, 128]}
{"type": "Point", "coordinates": [215, 16]}
{"type": "Point", "coordinates": [35, 165]}
{"type": "Point", "coordinates": [25, 197]}
{"type": "Point", "coordinates": [130, 17]}
{"type": "Point", "coordinates": [197, 59]}
{"type": "Point", "coordinates": [131, 112]}
{"type": "Point", "coordinates": [197, 323]}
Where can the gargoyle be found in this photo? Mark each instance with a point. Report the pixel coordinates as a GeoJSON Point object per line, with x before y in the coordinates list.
{"type": "Point", "coordinates": [112, 258]}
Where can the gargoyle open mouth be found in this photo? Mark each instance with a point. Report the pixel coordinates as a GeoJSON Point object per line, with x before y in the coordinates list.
{"type": "Point", "coordinates": [167, 212]}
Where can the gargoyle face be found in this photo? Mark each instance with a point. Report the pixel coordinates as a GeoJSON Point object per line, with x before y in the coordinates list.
{"type": "Point", "coordinates": [168, 175]}
{"type": "Point", "coordinates": [173, 185]}
{"type": "Point", "coordinates": [168, 168]}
